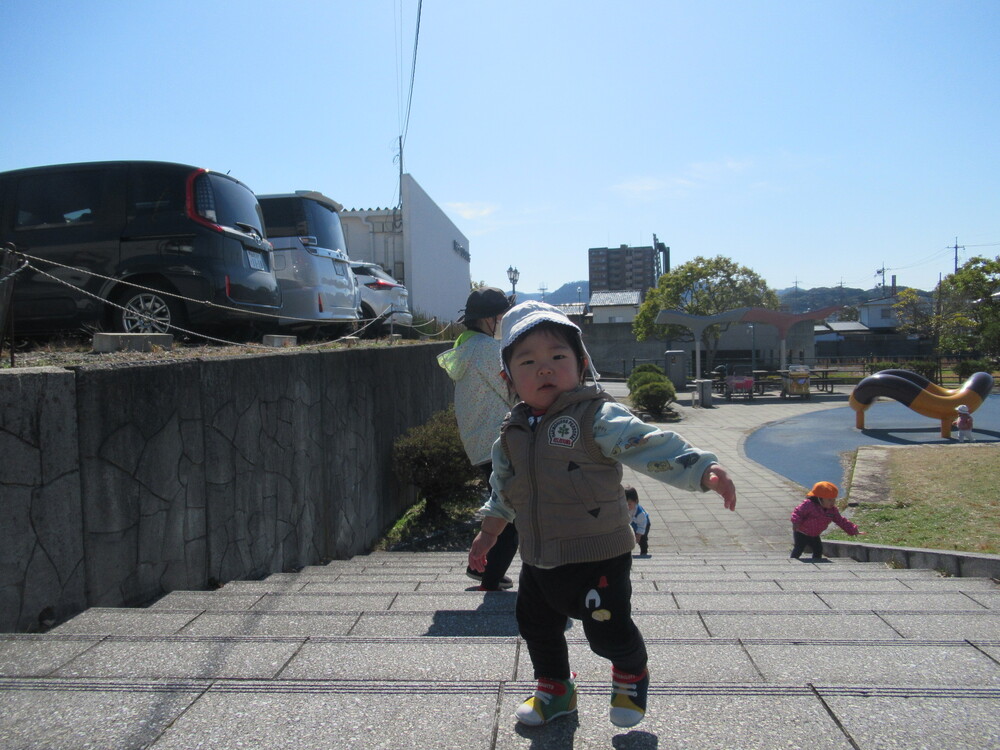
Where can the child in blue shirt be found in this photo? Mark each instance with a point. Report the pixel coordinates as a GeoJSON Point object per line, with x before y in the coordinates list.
{"type": "Point", "coordinates": [639, 519]}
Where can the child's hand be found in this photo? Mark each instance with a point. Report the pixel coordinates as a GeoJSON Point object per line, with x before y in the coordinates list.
{"type": "Point", "coordinates": [717, 479]}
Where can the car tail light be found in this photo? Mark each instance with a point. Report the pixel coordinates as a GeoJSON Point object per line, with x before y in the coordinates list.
{"type": "Point", "coordinates": [380, 285]}
{"type": "Point", "coordinates": [319, 298]}
{"type": "Point", "coordinates": [228, 289]}
{"type": "Point", "coordinates": [200, 200]}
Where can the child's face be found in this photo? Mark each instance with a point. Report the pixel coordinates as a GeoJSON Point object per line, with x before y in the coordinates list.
{"type": "Point", "coordinates": [543, 367]}
{"type": "Point", "coordinates": [827, 502]}
{"type": "Point", "coordinates": [632, 504]}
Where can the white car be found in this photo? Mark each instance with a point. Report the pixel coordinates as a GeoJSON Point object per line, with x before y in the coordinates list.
{"type": "Point", "coordinates": [382, 298]}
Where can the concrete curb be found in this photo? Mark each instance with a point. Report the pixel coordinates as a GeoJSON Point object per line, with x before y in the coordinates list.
{"type": "Point", "coordinates": [959, 564]}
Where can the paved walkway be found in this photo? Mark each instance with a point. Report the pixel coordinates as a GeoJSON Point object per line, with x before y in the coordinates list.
{"type": "Point", "coordinates": [692, 522]}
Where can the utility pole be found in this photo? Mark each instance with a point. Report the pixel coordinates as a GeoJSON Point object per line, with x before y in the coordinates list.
{"type": "Point", "coordinates": [882, 272]}
{"type": "Point", "coordinates": [956, 254]}
{"type": "Point", "coordinates": [543, 289]}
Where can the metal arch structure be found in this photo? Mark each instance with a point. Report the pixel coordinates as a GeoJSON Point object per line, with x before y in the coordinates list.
{"type": "Point", "coordinates": [781, 320]}
{"type": "Point", "coordinates": [697, 325]}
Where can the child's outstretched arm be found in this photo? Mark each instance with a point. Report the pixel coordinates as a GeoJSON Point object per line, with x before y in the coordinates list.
{"type": "Point", "coordinates": [717, 479]}
{"type": "Point", "coordinates": [484, 541]}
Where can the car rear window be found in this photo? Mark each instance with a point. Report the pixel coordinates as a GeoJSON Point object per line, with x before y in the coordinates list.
{"type": "Point", "coordinates": [299, 217]}
{"type": "Point", "coordinates": [235, 204]}
{"type": "Point", "coordinates": [375, 271]}
{"type": "Point", "coordinates": [283, 217]}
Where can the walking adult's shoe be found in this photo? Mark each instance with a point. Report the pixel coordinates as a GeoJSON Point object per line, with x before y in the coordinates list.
{"type": "Point", "coordinates": [628, 697]}
{"type": "Point", "coordinates": [552, 698]}
{"type": "Point", "coordinates": [505, 582]}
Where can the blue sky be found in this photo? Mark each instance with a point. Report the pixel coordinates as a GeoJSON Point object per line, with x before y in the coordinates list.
{"type": "Point", "coordinates": [814, 142]}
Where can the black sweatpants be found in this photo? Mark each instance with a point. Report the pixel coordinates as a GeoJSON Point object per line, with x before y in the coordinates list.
{"type": "Point", "coordinates": [801, 541]}
{"type": "Point", "coordinates": [644, 541]}
{"type": "Point", "coordinates": [599, 594]}
{"type": "Point", "coordinates": [499, 558]}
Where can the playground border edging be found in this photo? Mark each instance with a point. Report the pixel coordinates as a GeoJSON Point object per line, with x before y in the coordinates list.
{"type": "Point", "coordinates": [958, 564]}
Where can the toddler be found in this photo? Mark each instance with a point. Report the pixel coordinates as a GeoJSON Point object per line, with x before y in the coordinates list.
{"type": "Point", "coordinates": [639, 519]}
{"type": "Point", "coordinates": [557, 470]}
{"type": "Point", "coordinates": [964, 424]}
{"type": "Point", "coordinates": [813, 515]}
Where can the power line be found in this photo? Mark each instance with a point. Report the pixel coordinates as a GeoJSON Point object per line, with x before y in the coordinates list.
{"type": "Point", "coordinates": [405, 119]}
{"type": "Point", "coordinates": [413, 72]}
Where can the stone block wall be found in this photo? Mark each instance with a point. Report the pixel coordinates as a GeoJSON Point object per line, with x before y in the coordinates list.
{"type": "Point", "coordinates": [121, 483]}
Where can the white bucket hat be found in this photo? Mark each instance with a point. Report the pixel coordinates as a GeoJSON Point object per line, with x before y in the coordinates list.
{"type": "Point", "coordinates": [524, 316]}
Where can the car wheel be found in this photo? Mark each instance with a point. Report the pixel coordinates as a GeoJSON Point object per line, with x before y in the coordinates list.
{"type": "Point", "coordinates": [147, 311]}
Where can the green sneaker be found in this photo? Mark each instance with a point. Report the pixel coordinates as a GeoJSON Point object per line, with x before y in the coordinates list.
{"type": "Point", "coordinates": [628, 697]}
{"type": "Point", "coordinates": [552, 698]}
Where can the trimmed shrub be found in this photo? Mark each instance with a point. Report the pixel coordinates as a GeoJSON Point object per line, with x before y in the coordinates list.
{"type": "Point", "coordinates": [431, 457]}
{"type": "Point", "coordinates": [653, 397]}
{"type": "Point", "coordinates": [648, 367]}
{"type": "Point", "coordinates": [927, 368]}
{"type": "Point", "coordinates": [636, 381]}
{"type": "Point", "coordinates": [874, 367]}
{"type": "Point", "coordinates": [969, 367]}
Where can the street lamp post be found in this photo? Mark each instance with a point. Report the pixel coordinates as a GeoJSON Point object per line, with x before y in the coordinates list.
{"type": "Point", "coordinates": [753, 346]}
{"type": "Point", "coordinates": [513, 275]}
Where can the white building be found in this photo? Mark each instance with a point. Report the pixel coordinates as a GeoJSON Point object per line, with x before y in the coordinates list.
{"type": "Point", "coordinates": [617, 306]}
{"type": "Point", "coordinates": [879, 313]}
{"type": "Point", "coordinates": [419, 246]}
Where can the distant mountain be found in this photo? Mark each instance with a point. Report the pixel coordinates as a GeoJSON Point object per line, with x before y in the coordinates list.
{"type": "Point", "coordinates": [793, 299]}
{"type": "Point", "coordinates": [802, 300]}
{"type": "Point", "coordinates": [564, 295]}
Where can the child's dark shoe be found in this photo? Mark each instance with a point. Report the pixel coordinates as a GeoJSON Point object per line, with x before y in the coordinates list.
{"type": "Point", "coordinates": [628, 697]}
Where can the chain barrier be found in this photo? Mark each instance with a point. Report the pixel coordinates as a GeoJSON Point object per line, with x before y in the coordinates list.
{"type": "Point", "coordinates": [15, 272]}
{"type": "Point", "coordinates": [26, 264]}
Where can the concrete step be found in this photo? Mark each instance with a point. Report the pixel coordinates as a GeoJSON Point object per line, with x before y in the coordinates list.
{"type": "Point", "coordinates": [393, 650]}
{"type": "Point", "coordinates": [979, 624]}
{"type": "Point", "coordinates": [890, 661]}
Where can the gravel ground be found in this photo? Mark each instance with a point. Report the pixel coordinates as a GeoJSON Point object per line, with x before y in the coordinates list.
{"type": "Point", "coordinates": [74, 352]}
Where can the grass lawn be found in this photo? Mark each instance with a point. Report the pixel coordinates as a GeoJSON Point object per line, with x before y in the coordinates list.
{"type": "Point", "coordinates": [942, 497]}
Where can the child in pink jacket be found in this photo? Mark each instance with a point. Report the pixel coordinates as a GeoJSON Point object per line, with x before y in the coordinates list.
{"type": "Point", "coordinates": [813, 515]}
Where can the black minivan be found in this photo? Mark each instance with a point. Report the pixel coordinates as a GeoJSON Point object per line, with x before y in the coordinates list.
{"type": "Point", "coordinates": [180, 236]}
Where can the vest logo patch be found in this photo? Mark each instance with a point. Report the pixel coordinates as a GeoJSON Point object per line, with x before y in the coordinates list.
{"type": "Point", "coordinates": [564, 432]}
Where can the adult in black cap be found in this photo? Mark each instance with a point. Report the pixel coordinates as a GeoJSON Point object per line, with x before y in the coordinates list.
{"type": "Point", "coordinates": [482, 400]}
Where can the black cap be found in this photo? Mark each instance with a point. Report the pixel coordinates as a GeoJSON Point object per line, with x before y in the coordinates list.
{"type": "Point", "coordinates": [485, 302]}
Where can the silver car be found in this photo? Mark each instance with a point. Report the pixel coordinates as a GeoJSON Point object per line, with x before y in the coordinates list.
{"type": "Point", "coordinates": [311, 261]}
{"type": "Point", "coordinates": [383, 299]}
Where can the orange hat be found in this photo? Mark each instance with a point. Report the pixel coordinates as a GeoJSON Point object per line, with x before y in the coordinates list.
{"type": "Point", "coordinates": [824, 491]}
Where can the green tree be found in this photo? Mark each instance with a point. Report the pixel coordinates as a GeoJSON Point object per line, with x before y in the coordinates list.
{"type": "Point", "coordinates": [915, 314]}
{"type": "Point", "coordinates": [702, 286]}
{"type": "Point", "coordinates": [969, 301]}
{"type": "Point", "coordinates": [849, 313]}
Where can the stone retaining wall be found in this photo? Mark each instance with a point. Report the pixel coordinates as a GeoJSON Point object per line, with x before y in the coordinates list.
{"type": "Point", "coordinates": [121, 483]}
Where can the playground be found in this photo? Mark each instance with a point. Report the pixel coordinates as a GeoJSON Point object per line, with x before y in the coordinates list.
{"type": "Point", "coordinates": [808, 447]}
